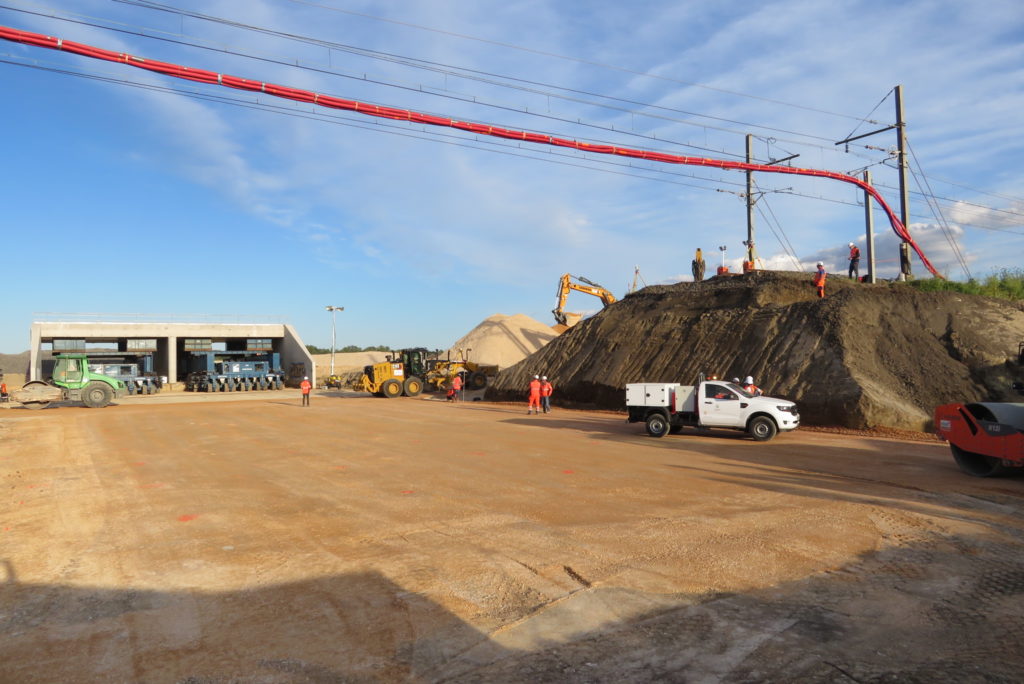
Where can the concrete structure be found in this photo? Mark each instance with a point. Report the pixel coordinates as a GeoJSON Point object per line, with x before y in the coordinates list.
{"type": "Point", "coordinates": [170, 358]}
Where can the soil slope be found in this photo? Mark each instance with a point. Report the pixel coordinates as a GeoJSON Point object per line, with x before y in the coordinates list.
{"type": "Point", "coordinates": [866, 356]}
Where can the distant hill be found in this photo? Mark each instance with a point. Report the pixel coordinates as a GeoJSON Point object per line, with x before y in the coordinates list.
{"type": "Point", "coordinates": [867, 356]}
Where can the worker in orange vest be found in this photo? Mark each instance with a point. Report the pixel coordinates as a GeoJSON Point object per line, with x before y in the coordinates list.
{"type": "Point", "coordinates": [305, 386]}
{"type": "Point", "coordinates": [534, 395]}
{"type": "Point", "coordinates": [546, 388]}
{"type": "Point", "coordinates": [751, 388]}
{"type": "Point", "coordinates": [819, 280]}
{"type": "Point", "coordinates": [854, 273]}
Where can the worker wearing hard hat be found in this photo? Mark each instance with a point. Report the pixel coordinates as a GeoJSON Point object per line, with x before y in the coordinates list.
{"type": "Point", "coordinates": [750, 388]}
{"type": "Point", "coordinates": [819, 280]}
{"type": "Point", "coordinates": [546, 388]}
{"type": "Point", "coordinates": [534, 395]}
{"type": "Point", "coordinates": [305, 386]}
{"type": "Point", "coordinates": [854, 262]}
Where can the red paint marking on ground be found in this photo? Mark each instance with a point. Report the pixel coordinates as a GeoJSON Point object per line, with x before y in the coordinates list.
{"type": "Point", "coordinates": [408, 491]}
{"type": "Point", "coordinates": [339, 467]}
{"type": "Point", "coordinates": [477, 453]}
{"type": "Point", "coordinates": [187, 517]}
{"type": "Point", "coordinates": [568, 472]}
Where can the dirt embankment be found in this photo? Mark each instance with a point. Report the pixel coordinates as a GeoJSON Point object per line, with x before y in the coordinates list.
{"type": "Point", "coordinates": [14, 368]}
{"type": "Point", "coordinates": [864, 357]}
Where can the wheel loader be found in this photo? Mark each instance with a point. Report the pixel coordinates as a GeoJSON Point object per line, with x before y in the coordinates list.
{"type": "Point", "coordinates": [72, 381]}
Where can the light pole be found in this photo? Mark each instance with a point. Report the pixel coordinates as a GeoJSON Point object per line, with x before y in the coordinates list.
{"type": "Point", "coordinates": [334, 310]}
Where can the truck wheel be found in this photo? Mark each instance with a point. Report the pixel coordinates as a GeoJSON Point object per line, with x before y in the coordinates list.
{"type": "Point", "coordinates": [97, 395]}
{"type": "Point", "coordinates": [762, 428]}
{"type": "Point", "coordinates": [413, 387]}
{"type": "Point", "coordinates": [657, 425]}
{"type": "Point", "coordinates": [391, 388]}
{"type": "Point", "coordinates": [978, 465]}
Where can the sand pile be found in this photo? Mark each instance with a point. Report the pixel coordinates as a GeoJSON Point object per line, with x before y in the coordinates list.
{"type": "Point", "coordinates": [503, 340]}
{"type": "Point", "coordinates": [15, 368]}
{"type": "Point", "coordinates": [866, 356]}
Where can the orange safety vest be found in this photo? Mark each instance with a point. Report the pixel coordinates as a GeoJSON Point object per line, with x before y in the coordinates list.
{"type": "Point", "coordinates": [457, 383]}
{"type": "Point", "coordinates": [535, 388]}
{"type": "Point", "coordinates": [546, 388]}
{"type": "Point", "coordinates": [819, 277]}
{"type": "Point", "coordinates": [854, 253]}
{"type": "Point", "coordinates": [306, 386]}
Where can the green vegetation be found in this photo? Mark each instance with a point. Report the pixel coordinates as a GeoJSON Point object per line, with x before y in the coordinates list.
{"type": "Point", "coordinates": [1006, 283]}
{"type": "Point", "coordinates": [313, 349]}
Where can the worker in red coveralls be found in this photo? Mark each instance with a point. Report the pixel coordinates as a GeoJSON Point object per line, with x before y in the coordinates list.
{"type": "Point", "coordinates": [819, 279]}
{"type": "Point", "coordinates": [453, 392]}
{"type": "Point", "coordinates": [854, 273]}
{"type": "Point", "coordinates": [534, 395]}
{"type": "Point", "coordinates": [305, 386]}
{"type": "Point", "coordinates": [546, 388]}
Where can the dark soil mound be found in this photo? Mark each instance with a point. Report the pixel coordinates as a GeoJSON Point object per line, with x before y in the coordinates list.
{"type": "Point", "coordinates": [864, 357]}
{"type": "Point", "coordinates": [15, 367]}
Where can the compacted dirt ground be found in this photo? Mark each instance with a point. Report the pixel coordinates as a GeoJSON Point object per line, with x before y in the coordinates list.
{"type": "Point", "coordinates": [365, 539]}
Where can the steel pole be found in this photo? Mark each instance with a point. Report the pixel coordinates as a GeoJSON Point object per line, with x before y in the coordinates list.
{"type": "Point", "coordinates": [334, 313]}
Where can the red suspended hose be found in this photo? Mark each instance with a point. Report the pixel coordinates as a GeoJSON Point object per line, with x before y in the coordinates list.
{"type": "Point", "coordinates": [213, 78]}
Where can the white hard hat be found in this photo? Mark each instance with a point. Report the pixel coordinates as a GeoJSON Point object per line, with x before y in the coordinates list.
{"type": "Point", "coordinates": [749, 380]}
{"type": "Point", "coordinates": [536, 377]}
{"type": "Point", "coordinates": [851, 244]}
{"type": "Point", "coordinates": [820, 264]}
{"type": "Point", "coordinates": [543, 377]}
{"type": "Point", "coordinates": [306, 378]}
{"type": "Point", "coordinates": [736, 380]}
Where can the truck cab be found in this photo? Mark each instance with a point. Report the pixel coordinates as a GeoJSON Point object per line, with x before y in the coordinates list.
{"type": "Point", "coordinates": [670, 407]}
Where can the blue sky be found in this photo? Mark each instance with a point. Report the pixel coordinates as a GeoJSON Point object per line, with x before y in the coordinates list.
{"type": "Point", "coordinates": [124, 199]}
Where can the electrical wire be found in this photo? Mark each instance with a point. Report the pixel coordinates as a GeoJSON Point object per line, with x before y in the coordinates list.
{"type": "Point", "coordinates": [940, 218]}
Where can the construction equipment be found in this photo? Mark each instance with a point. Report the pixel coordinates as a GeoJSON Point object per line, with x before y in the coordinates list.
{"type": "Point", "coordinates": [72, 381]}
{"type": "Point", "coordinates": [409, 372]}
{"type": "Point", "coordinates": [565, 285]}
{"type": "Point", "coordinates": [986, 438]}
{"type": "Point", "coordinates": [234, 371]}
{"type": "Point", "coordinates": [400, 374]}
{"type": "Point", "coordinates": [441, 372]}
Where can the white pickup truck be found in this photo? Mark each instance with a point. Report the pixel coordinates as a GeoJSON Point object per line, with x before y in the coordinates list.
{"type": "Point", "coordinates": [669, 407]}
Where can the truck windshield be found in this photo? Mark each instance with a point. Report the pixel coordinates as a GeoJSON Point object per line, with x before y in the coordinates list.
{"type": "Point", "coordinates": [739, 390]}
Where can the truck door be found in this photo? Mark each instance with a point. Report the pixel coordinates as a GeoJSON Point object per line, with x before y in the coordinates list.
{"type": "Point", "coordinates": [720, 406]}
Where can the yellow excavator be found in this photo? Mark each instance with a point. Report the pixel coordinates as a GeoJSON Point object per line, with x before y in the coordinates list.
{"type": "Point", "coordinates": [563, 318]}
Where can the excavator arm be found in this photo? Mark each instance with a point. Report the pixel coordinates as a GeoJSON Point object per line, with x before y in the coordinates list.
{"type": "Point", "coordinates": [566, 285]}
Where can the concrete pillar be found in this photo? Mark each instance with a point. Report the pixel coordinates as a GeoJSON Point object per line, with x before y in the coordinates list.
{"type": "Point", "coordinates": [35, 363]}
{"type": "Point", "coordinates": [172, 358]}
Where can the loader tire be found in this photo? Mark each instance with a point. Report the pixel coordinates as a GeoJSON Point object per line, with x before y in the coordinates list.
{"type": "Point", "coordinates": [762, 428]}
{"type": "Point", "coordinates": [477, 381]}
{"type": "Point", "coordinates": [413, 387]}
{"type": "Point", "coordinates": [978, 465]}
{"type": "Point", "coordinates": [658, 425]}
{"type": "Point", "coordinates": [391, 388]}
{"type": "Point", "coordinates": [97, 395]}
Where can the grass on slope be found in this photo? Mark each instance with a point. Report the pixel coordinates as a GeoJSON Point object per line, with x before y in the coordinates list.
{"type": "Point", "coordinates": [1007, 283]}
